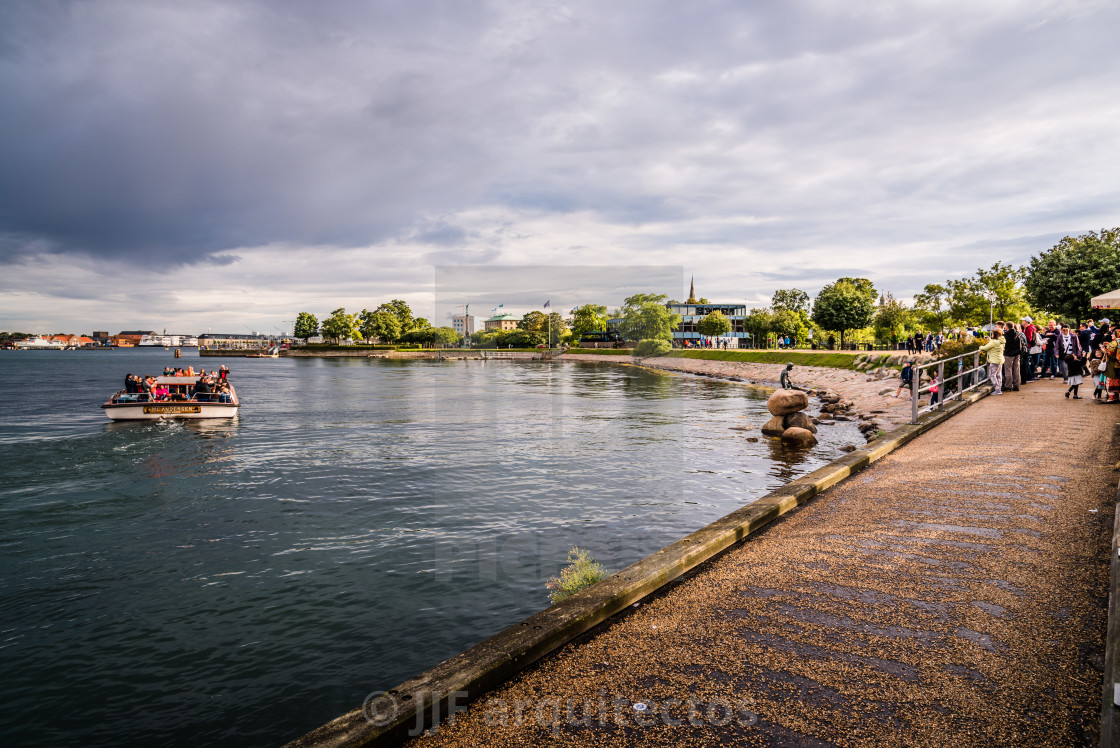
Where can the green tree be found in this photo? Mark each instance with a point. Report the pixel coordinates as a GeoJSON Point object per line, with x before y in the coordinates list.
{"type": "Point", "coordinates": [520, 339]}
{"type": "Point", "coordinates": [844, 305]}
{"type": "Point", "coordinates": [714, 324]}
{"type": "Point", "coordinates": [967, 304]}
{"type": "Point", "coordinates": [445, 337]}
{"type": "Point", "coordinates": [1003, 285]}
{"type": "Point", "coordinates": [307, 325]}
{"type": "Point", "coordinates": [757, 324]}
{"type": "Point", "coordinates": [555, 327]}
{"type": "Point", "coordinates": [646, 316]}
{"type": "Point", "coordinates": [341, 326]}
{"type": "Point", "coordinates": [789, 322]}
{"type": "Point", "coordinates": [865, 286]}
{"type": "Point", "coordinates": [793, 299]}
{"type": "Point", "coordinates": [383, 326]}
{"type": "Point", "coordinates": [533, 321]}
{"type": "Point", "coordinates": [1064, 278]}
{"type": "Point", "coordinates": [484, 339]}
{"type": "Point", "coordinates": [932, 306]}
{"type": "Point", "coordinates": [589, 318]}
{"type": "Point", "coordinates": [892, 319]}
{"type": "Point", "coordinates": [399, 309]}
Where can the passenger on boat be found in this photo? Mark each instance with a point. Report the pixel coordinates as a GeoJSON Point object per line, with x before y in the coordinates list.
{"type": "Point", "coordinates": [202, 390]}
{"type": "Point", "coordinates": [223, 372]}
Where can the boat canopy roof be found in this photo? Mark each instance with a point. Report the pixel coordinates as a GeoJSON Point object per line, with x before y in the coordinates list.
{"type": "Point", "coordinates": [176, 380]}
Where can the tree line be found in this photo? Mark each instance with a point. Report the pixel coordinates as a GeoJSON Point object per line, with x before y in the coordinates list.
{"type": "Point", "coordinates": [391, 322]}
{"type": "Point", "coordinates": [1058, 283]}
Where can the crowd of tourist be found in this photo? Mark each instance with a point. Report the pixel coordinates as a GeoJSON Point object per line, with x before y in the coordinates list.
{"type": "Point", "coordinates": [1016, 353]}
{"type": "Point", "coordinates": [207, 387]}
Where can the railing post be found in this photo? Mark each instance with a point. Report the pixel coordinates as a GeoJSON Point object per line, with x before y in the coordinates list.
{"type": "Point", "coordinates": [941, 385]}
{"type": "Point", "coordinates": [914, 382]}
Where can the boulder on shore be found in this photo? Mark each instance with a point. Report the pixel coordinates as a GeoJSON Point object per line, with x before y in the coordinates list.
{"type": "Point", "coordinates": [784, 402]}
{"type": "Point", "coordinates": [799, 420]}
{"type": "Point", "coordinates": [774, 427]}
{"type": "Point", "coordinates": [796, 437]}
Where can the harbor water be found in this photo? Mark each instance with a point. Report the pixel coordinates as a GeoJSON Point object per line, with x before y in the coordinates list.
{"type": "Point", "coordinates": [239, 583]}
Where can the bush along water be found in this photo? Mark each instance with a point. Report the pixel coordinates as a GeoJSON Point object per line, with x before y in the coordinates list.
{"type": "Point", "coordinates": [652, 347]}
{"type": "Point", "coordinates": [581, 572]}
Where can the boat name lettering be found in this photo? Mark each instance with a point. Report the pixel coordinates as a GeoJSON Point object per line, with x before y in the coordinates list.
{"type": "Point", "coordinates": [172, 408]}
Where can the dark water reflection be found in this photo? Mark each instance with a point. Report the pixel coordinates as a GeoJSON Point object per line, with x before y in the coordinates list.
{"type": "Point", "coordinates": [239, 583]}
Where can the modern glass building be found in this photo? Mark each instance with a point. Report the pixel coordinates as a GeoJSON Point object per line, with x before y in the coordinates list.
{"type": "Point", "coordinates": [691, 314]}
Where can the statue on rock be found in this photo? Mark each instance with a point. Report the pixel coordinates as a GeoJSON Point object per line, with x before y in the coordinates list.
{"type": "Point", "coordinates": [786, 383]}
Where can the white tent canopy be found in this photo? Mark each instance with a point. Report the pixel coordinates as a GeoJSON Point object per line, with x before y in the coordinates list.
{"type": "Point", "coordinates": [1109, 300]}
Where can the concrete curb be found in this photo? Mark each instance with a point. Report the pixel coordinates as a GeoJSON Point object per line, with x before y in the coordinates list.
{"type": "Point", "coordinates": [422, 700]}
{"type": "Point", "coordinates": [1110, 719]}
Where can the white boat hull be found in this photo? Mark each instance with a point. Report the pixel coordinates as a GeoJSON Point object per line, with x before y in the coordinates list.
{"type": "Point", "coordinates": [161, 411]}
{"type": "Point", "coordinates": [132, 407]}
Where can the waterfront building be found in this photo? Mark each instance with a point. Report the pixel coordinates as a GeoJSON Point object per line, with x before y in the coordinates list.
{"type": "Point", "coordinates": [463, 324]}
{"type": "Point", "coordinates": [232, 341]}
{"type": "Point", "coordinates": [129, 338]}
{"type": "Point", "coordinates": [505, 321]}
{"type": "Point", "coordinates": [692, 313]}
{"type": "Point", "coordinates": [169, 341]}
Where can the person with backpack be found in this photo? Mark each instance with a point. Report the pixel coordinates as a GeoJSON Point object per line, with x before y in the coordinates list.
{"type": "Point", "coordinates": [1015, 345]}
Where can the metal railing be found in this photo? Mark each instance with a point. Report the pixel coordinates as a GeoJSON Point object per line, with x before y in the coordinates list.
{"type": "Point", "coordinates": [963, 381]}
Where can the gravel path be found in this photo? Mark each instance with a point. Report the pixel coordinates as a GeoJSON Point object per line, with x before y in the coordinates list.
{"type": "Point", "coordinates": [953, 593]}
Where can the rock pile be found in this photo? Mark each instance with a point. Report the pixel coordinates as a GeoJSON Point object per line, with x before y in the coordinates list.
{"type": "Point", "coordinates": [794, 427]}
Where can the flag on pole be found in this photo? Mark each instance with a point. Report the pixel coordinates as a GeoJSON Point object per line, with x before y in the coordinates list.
{"type": "Point", "coordinates": [548, 304]}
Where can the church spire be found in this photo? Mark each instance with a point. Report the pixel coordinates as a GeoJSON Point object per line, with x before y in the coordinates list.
{"type": "Point", "coordinates": [692, 291]}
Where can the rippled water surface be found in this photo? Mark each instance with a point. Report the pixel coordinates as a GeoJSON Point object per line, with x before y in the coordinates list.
{"type": "Point", "coordinates": [240, 583]}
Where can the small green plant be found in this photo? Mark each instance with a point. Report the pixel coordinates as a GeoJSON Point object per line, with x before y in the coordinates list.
{"type": "Point", "coordinates": [581, 572]}
{"type": "Point", "coordinates": [652, 347]}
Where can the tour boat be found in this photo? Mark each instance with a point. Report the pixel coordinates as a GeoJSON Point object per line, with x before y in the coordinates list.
{"type": "Point", "coordinates": [124, 406]}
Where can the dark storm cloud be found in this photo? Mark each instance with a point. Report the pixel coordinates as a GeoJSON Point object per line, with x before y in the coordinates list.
{"type": "Point", "coordinates": [743, 139]}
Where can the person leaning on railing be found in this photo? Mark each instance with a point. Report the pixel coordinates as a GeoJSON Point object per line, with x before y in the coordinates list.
{"type": "Point", "coordinates": [993, 351]}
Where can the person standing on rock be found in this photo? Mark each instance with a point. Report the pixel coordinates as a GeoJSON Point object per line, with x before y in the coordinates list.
{"type": "Point", "coordinates": [993, 350]}
{"type": "Point", "coordinates": [786, 383]}
{"type": "Point", "coordinates": [907, 376]}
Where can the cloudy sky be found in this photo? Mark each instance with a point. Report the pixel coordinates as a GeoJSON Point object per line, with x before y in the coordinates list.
{"type": "Point", "coordinates": [226, 164]}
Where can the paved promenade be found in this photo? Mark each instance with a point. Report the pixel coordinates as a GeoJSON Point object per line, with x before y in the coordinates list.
{"type": "Point", "coordinates": [954, 593]}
